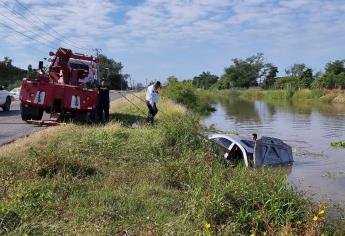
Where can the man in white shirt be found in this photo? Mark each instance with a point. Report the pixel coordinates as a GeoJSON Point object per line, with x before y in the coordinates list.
{"type": "Point", "coordinates": [152, 96]}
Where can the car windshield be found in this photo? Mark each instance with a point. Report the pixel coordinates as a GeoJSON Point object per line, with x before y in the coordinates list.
{"type": "Point", "coordinates": [249, 143]}
{"type": "Point", "coordinates": [223, 142]}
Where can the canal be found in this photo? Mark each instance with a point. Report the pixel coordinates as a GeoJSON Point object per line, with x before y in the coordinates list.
{"type": "Point", "coordinates": [309, 127]}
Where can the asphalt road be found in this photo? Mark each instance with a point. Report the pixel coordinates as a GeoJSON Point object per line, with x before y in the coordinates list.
{"type": "Point", "coordinates": [12, 127]}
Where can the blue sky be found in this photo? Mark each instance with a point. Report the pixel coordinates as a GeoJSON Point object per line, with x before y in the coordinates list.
{"type": "Point", "coordinates": [158, 38]}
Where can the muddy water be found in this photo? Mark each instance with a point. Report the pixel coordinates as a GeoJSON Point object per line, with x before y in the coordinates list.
{"type": "Point", "coordinates": [309, 128]}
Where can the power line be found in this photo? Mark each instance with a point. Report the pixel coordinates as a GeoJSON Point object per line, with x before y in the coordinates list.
{"type": "Point", "coordinates": [15, 22]}
{"type": "Point", "coordinates": [40, 29]}
{"type": "Point", "coordinates": [27, 36]}
{"type": "Point", "coordinates": [62, 36]}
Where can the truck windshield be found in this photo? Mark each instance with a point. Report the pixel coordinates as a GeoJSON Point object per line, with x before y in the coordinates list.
{"type": "Point", "coordinates": [79, 66]}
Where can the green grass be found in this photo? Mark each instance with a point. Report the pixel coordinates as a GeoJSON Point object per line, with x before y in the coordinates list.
{"type": "Point", "coordinates": [286, 94]}
{"type": "Point", "coordinates": [160, 180]}
{"type": "Point", "coordinates": [310, 95]}
{"type": "Point", "coordinates": [338, 144]}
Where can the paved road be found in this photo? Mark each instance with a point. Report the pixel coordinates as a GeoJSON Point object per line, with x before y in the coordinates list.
{"type": "Point", "coordinates": [12, 127]}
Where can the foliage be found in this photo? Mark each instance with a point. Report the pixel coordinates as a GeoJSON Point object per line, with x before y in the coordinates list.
{"type": "Point", "coordinates": [338, 144]}
{"type": "Point", "coordinates": [334, 76]}
{"type": "Point", "coordinates": [205, 80]}
{"type": "Point", "coordinates": [243, 73]}
{"type": "Point", "coordinates": [286, 83]}
{"type": "Point", "coordinates": [111, 70]}
{"type": "Point", "coordinates": [270, 76]}
{"type": "Point", "coordinates": [299, 76]}
{"type": "Point", "coordinates": [184, 93]}
{"type": "Point", "coordinates": [10, 74]}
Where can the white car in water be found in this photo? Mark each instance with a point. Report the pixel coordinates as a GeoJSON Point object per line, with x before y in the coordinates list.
{"type": "Point", "coordinates": [266, 151]}
{"type": "Point", "coordinates": [5, 99]}
{"type": "Point", "coordinates": [15, 93]}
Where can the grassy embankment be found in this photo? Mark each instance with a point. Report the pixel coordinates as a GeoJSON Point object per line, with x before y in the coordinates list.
{"type": "Point", "coordinates": [104, 180]}
{"type": "Point", "coordinates": [331, 96]}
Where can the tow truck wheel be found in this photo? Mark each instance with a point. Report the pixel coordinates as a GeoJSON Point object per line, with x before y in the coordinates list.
{"type": "Point", "coordinates": [28, 112]}
{"type": "Point", "coordinates": [7, 105]}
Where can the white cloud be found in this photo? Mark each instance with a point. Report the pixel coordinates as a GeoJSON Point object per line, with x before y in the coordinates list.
{"type": "Point", "coordinates": [271, 25]}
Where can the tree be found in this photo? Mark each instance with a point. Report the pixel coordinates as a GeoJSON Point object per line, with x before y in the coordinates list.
{"type": "Point", "coordinates": [10, 74]}
{"type": "Point", "coordinates": [243, 73]}
{"type": "Point", "coordinates": [296, 70]}
{"type": "Point", "coordinates": [205, 80]}
{"type": "Point", "coordinates": [306, 79]}
{"type": "Point", "coordinates": [334, 76]}
{"type": "Point", "coordinates": [299, 76]}
{"type": "Point", "coordinates": [30, 72]}
{"type": "Point", "coordinates": [270, 75]}
{"type": "Point", "coordinates": [111, 70]}
{"type": "Point", "coordinates": [172, 79]}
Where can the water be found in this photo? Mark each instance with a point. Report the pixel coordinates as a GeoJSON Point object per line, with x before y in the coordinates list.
{"type": "Point", "coordinates": [309, 128]}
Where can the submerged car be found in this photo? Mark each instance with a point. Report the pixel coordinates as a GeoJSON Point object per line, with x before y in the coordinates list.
{"type": "Point", "coordinates": [266, 151]}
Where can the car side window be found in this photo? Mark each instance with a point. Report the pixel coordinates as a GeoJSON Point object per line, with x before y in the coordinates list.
{"type": "Point", "coordinates": [1, 88]}
{"type": "Point", "coordinates": [224, 142]}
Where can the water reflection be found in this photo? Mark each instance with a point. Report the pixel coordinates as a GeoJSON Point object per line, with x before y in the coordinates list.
{"type": "Point", "coordinates": [309, 127]}
{"type": "Point", "coordinates": [240, 110]}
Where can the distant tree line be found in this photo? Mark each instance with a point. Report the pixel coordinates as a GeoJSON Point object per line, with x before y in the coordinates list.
{"type": "Point", "coordinates": [253, 72]}
{"type": "Point", "coordinates": [9, 74]}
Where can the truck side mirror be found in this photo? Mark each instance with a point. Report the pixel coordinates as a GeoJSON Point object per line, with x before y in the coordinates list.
{"type": "Point", "coordinates": [40, 65]}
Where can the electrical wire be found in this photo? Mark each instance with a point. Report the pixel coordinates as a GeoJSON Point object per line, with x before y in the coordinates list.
{"type": "Point", "coordinates": [62, 37]}
{"type": "Point", "coordinates": [15, 22]}
{"type": "Point", "coordinates": [42, 29]}
{"type": "Point", "coordinates": [132, 103]}
{"type": "Point", "coordinates": [27, 36]}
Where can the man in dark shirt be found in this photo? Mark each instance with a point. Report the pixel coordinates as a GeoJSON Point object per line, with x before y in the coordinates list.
{"type": "Point", "coordinates": [103, 101]}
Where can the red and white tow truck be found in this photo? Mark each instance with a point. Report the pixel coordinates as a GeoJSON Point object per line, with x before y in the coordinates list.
{"type": "Point", "coordinates": [67, 88]}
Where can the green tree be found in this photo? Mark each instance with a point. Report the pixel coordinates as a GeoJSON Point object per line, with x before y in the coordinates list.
{"type": "Point", "coordinates": [334, 76]}
{"type": "Point", "coordinates": [299, 76]}
{"type": "Point", "coordinates": [205, 80]}
{"type": "Point", "coordinates": [10, 74]}
{"type": "Point", "coordinates": [30, 72]}
{"type": "Point", "coordinates": [270, 75]}
{"type": "Point", "coordinates": [243, 73]}
{"type": "Point", "coordinates": [111, 70]}
{"type": "Point", "coordinates": [172, 79]}
{"type": "Point", "coordinates": [306, 79]}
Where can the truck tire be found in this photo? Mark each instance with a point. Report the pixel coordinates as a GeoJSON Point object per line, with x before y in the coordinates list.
{"type": "Point", "coordinates": [30, 113]}
{"type": "Point", "coordinates": [7, 105]}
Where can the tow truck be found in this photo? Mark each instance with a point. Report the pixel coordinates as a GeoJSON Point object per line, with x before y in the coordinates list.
{"type": "Point", "coordinates": [67, 88]}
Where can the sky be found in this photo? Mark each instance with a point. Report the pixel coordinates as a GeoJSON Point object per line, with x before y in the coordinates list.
{"type": "Point", "coordinates": [155, 39]}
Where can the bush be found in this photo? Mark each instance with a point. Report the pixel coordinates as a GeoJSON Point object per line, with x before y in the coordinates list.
{"type": "Point", "coordinates": [185, 94]}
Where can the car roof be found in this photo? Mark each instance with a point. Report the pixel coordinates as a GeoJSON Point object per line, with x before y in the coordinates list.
{"type": "Point", "coordinates": [237, 140]}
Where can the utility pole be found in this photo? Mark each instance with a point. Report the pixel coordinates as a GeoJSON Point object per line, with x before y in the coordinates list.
{"type": "Point", "coordinates": [97, 50]}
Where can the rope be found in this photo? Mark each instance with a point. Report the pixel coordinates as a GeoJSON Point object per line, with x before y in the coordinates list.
{"type": "Point", "coordinates": [133, 103]}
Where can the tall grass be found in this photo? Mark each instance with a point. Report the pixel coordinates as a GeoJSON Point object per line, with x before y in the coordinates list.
{"type": "Point", "coordinates": [160, 180]}
{"type": "Point", "coordinates": [334, 96]}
